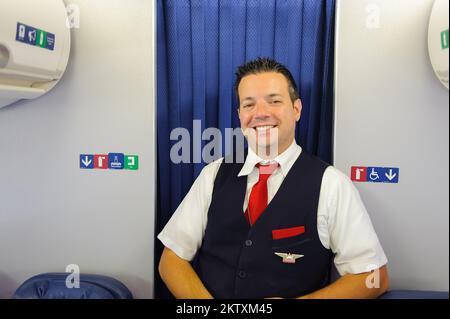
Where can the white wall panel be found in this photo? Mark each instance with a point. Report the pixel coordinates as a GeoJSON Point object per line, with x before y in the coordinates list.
{"type": "Point", "coordinates": [391, 111]}
{"type": "Point", "coordinates": [52, 213]}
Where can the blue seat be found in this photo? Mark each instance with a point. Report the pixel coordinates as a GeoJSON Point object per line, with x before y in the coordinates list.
{"type": "Point", "coordinates": [414, 294]}
{"type": "Point", "coordinates": [53, 286]}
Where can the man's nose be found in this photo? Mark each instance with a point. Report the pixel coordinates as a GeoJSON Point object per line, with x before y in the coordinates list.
{"type": "Point", "coordinates": [261, 109]}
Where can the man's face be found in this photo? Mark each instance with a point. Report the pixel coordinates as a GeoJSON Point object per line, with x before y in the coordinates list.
{"type": "Point", "coordinates": [266, 111]}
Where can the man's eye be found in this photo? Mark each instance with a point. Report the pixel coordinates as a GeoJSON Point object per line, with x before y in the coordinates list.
{"type": "Point", "coordinates": [248, 105]}
{"type": "Point", "coordinates": [275, 102]}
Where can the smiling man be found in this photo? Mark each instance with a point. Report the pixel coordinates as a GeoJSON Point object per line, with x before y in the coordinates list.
{"type": "Point", "coordinates": [274, 225]}
{"type": "Point", "coordinates": [265, 120]}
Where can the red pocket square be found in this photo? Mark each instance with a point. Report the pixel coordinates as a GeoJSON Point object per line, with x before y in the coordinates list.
{"type": "Point", "coordinates": [287, 232]}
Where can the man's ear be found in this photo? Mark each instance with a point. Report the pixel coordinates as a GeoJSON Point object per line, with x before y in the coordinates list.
{"type": "Point", "coordinates": [297, 109]}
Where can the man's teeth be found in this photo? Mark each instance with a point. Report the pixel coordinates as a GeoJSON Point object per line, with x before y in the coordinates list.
{"type": "Point", "coordinates": [262, 128]}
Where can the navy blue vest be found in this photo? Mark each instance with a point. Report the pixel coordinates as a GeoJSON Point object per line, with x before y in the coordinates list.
{"type": "Point", "coordinates": [239, 261]}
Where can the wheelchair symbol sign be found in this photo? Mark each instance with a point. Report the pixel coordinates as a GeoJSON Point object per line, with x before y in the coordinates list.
{"type": "Point", "coordinates": [373, 175]}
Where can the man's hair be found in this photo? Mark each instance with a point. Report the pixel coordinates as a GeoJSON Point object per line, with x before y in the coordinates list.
{"type": "Point", "coordinates": [261, 65]}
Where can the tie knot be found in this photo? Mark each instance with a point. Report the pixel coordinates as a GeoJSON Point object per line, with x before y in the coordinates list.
{"type": "Point", "coordinates": [266, 170]}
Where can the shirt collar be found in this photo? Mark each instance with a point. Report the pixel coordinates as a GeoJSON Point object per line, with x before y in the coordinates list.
{"type": "Point", "coordinates": [285, 159]}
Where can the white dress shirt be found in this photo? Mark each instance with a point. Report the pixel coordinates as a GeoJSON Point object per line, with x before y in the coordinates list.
{"type": "Point", "coordinates": [343, 223]}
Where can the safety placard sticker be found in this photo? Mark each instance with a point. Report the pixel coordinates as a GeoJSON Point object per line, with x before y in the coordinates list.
{"type": "Point", "coordinates": [373, 174]}
{"type": "Point", "coordinates": [86, 161]}
{"type": "Point", "coordinates": [131, 162]}
{"type": "Point", "coordinates": [116, 161]}
{"type": "Point", "coordinates": [101, 161]}
{"type": "Point", "coordinates": [35, 37]}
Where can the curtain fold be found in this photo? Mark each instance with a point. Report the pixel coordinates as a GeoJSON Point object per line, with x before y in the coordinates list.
{"type": "Point", "coordinates": [200, 43]}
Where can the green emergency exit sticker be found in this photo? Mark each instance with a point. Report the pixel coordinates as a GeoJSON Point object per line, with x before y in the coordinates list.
{"type": "Point", "coordinates": [444, 39]}
{"type": "Point", "coordinates": [41, 38]}
{"type": "Point", "coordinates": [131, 162]}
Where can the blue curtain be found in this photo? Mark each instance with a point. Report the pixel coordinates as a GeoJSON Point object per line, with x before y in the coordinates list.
{"type": "Point", "coordinates": [200, 43]}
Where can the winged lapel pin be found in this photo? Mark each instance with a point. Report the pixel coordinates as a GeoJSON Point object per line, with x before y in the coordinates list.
{"type": "Point", "coordinates": [289, 258]}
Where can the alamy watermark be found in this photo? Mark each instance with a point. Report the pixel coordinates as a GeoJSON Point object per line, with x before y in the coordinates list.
{"type": "Point", "coordinates": [373, 16]}
{"type": "Point", "coordinates": [73, 16]}
{"type": "Point", "coordinates": [73, 279]}
{"type": "Point", "coordinates": [373, 279]}
{"type": "Point", "coordinates": [188, 148]}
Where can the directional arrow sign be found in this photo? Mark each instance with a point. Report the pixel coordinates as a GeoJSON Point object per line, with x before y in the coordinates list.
{"type": "Point", "coordinates": [390, 175]}
{"type": "Point", "coordinates": [86, 161]}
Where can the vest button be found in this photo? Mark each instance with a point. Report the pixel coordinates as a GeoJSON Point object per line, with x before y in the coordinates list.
{"type": "Point", "coordinates": [248, 243]}
{"type": "Point", "coordinates": [242, 274]}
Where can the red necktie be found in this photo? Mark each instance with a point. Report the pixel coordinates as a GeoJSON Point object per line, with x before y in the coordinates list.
{"type": "Point", "coordinates": [258, 196]}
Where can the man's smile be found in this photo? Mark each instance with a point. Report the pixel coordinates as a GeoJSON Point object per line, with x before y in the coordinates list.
{"type": "Point", "coordinates": [260, 128]}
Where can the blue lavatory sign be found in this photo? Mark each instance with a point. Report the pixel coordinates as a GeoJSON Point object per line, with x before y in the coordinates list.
{"type": "Point", "coordinates": [116, 160]}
